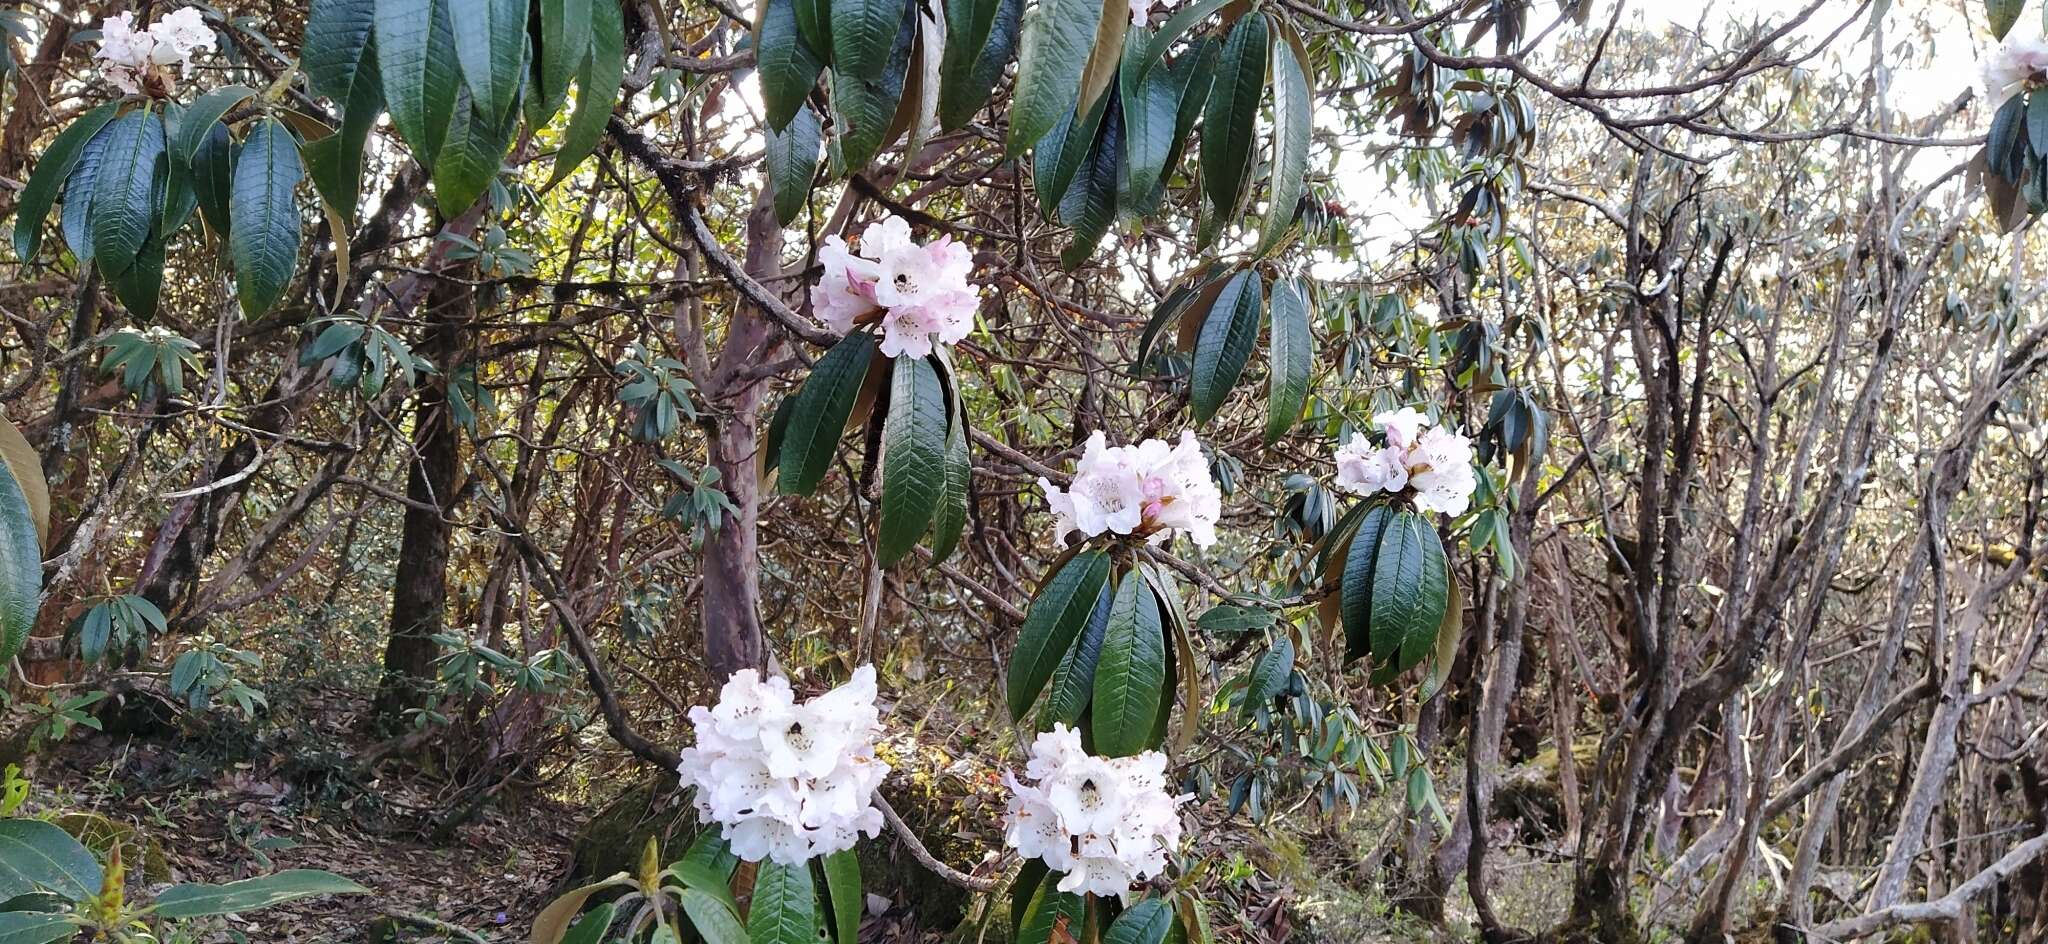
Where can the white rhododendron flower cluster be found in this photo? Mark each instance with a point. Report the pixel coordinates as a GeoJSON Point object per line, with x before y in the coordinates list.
{"type": "Point", "coordinates": [1152, 489]}
{"type": "Point", "coordinates": [132, 57]}
{"type": "Point", "coordinates": [787, 781]}
{"type": "Point", "coordinates": [1103, 823]}
{"type": "Point", "coordinates": [1428, 458]}
{"type": "Point", "coordinates": [2020, 62]}
{"type": "Point", "coordinates": [918, 293]}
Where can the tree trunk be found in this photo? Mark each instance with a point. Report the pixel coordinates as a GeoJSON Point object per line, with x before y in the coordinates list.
{"type": "Point", "coordinates": [419, 591]}
{"type": "Point", "coordinates": [731, 613]}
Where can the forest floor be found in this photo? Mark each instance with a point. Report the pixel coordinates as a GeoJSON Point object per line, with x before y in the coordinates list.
{"type": "Point", "coordinates": [220, 823]}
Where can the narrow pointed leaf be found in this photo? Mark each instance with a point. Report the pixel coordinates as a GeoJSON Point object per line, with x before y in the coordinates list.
{"type": "Point", "coordinates": [336, 46]}
{"type": "Point", "coordinates": [417, 65]}
{"type": "Point", "coordinates": [1130, 676]}
{"type": "Point", "coordinates": [1224, 343]}
{"type": "Point", "coordinates": [1051, 624]}
{"type": "Point", "coordinates": [785, 905]}
{"type": "Point", "coordinates": [597, 88]}
{"type": "Point", "coordinates": [1053, 49]}
{"type": "Point", "coordinates": [842, 886]}
{"type": "Point", "coordinates": [126, 190]}
{"type": "Point", "coordinates": [565, 30]}
{"type": "Point", "coordinates": [787, 65]}
{"type": "Point", "coordinates": [824, 403]}
{"type": "Point", "coordinates": [1290, 358]}
{"type": "Point", "coordinates": [981, 39]}
{"type": "Point", "coordinates": [1360, 563]}
{"type": "Point", "coordinates": [868, 74]}
{"type": "Point", "coordinates": [1291, 125]}
{"type": "Point", "coordinates": [198, 901]}
{"type": "Point", "coordinates": [1230, 119]}
{"type": "Point", "coordinates": [913, 457]}
{"type": "Point", "coordinates": [490, 46]}
{"type": "Point", "coordinates": [792, 163]}
{"type": "Point", "coordinates": [264, 240]}
{"type": "Point", "coordinates": [52, 169]}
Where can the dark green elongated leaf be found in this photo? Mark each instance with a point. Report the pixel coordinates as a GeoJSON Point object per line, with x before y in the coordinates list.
{"type": "Point", "coordinates": [981, 38]}
{"type": "Point", "coordinates": [126, 190]}
{"type": "Point", "coordinates": [1175, 27]}
{"type": "Point", "coordinates": [2003, 150]}
{"type": "Point", "coordinates": [249, 894]}
{"type": "Point", "coordinates": [1130, 676]}
{"type": "Point", "coordinates": [264, 240]}
{"type": "Point", "coordinates": [35, 855]}
{"type": "Point", "coordinates": [951, 520]}
{"type": "Point", "coordinates": [597, 88]}
{"type": "Point", "coordinates": [335, 162]}
{"type": "Point", "coordinates": [865, 97]}
{"type": "Point", "coordinates": [591, 927]}
{"type": "Point", "coordinates": [1292, 121]}
{"type": "Point", "coordinates": [198, 121]}
{"type": "Point", "coordinates": [1051, 624]}
{"type": "Point", "coordinates": [2037, 121]}
{"type": "Point", "coordinates": [1269, 675]}
{"type": "Point", "coordinates": [1225, 343]}
{"type": "Point", "coordinates": [1361, 562]}
{"type": "Point", "coordinates": [1230, 119]}
{"type": "Point", "coordinates": [471, 156]}
{"type": "Point", "coordinates": [1051, 909]}
{"type": "Point", "coordinates": [1060, 154]}
{"type": "Point", "coordinates": [1146, 922]}
{"type": "Point", "coordinates": [213, 177]}
{"type": "Point", "coordinates": [37, 927]}
{"type": "Point", "coordinates": [1090, 203]}
{"type": "Point", "coordinates": [785, 907]}
{"type": "Point", "coordinates": [1073, 682]}
{"type": "Point", "coordinates": [842, 886]}
{"type": "Point", "coordinates": [139, 285]}
{"type": "Point", "coordinates": [714, 922]}
{"type": "Point", "coordinates": [864, 34]}
{"type": "Point", "coordinates": [417, 65]}
{"type": "Point", "coordinates": [51, 171]}
{"type": "Point", "coordinates": [1151, 100]}
{"type": "Point", "coordinates": [565, 31]}
{"type": "Point", "coordinates": [913, 457]}
{"type": "Point", "coordinates": [1408, 591]}
{"type": "Point", "coordinates": [336, 46]}
{"type": "Point", "coordinates": [792, 163]}
{"type": "Point", "coordinates": [787, 66]}
{"type": "Point", "coordinates": [1290, 357]}
{"type": "Point", "coordinates": [1431, 596]}
{"type": "Point", "coordinates": [490, 46]}
{"type": "Point", "coordinates": [814, 21]}
{"type": "Point", "coordinates": [826, 400]}
{"type": "Point", "coordinates": [1052, 51]}
{"type": "Point", "coordinates": [78, 191]}
{"type": "Point", "coordinates": [1029, 878]}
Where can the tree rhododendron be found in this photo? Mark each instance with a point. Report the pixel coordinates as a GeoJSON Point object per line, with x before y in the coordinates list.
{"type": "Point", "coordinates": [1429, 459]}
{"type": "Point", "coordinates": [787, 781]}
{"type": "Point", "coordinates": [1102, 823]}
{"type": "Point", "coordinates": [917, 294]}
{"type": "Point", "coordinates": [1151, 489]}
{"type": "Point", "coordinates": [137, 59]}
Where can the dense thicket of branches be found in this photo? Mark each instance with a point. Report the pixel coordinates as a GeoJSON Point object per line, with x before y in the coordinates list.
{"type": "Point", "coordinates": [1762, 595]}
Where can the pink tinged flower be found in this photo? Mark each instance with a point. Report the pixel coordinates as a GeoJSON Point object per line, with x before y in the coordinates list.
{"type": "Point", "coordinates": [2019, 62]}
{"type": "Point", "coordinates": [1141, 11]}
{"type": "Point", "coordinates": [846, 290]}
{"type": "Point", "coordinates": [1401, 426]}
